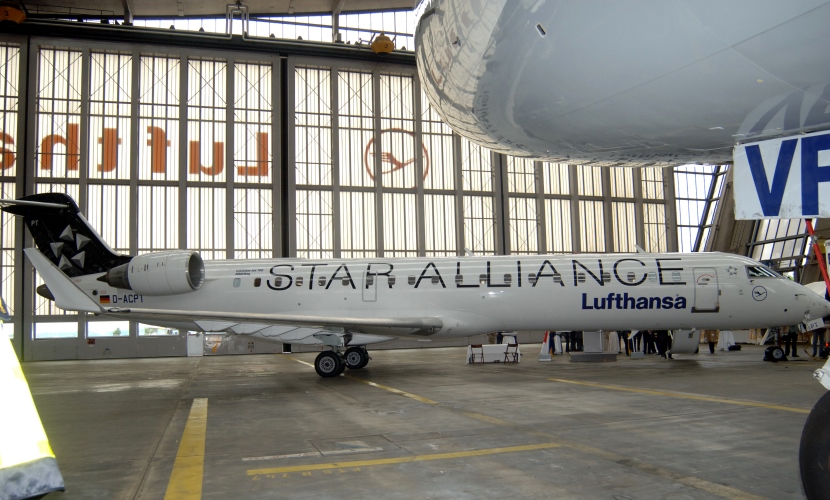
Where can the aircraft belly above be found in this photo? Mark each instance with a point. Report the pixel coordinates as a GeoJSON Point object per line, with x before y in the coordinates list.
{"type": "Point", "coordinates": [614, 84]}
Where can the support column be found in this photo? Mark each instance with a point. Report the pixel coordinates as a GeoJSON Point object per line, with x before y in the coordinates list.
{"type": "Point", "coordinates": [335, 164]}
{"type": "Point", "coordinates": [541, 216]}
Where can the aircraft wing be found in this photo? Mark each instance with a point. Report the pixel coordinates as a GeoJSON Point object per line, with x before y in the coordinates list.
{"type": "Point", "coordinates": [268, 324]}
{"type": "Point", "coordinates": [286, 333]}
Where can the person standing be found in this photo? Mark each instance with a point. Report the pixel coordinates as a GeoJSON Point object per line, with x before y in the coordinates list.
{"type": "Point", "coordinates": [711, 337]}
{"type": "Point", "coordinates": [791, 340]}
{"type": "Point", "coordinates": [623, 335]}
{"type": "Point", "coordinates": [818, 340]}
{"type": "Point", "coordinates": [648, 342]}
{"type": "Point", "coordinates": [662, 340]}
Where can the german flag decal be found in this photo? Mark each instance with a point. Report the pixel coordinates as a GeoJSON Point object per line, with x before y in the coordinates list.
{"type": "Point", "coordinates": [105, 299]}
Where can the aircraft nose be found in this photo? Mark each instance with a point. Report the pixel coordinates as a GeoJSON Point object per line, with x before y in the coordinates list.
{"type": "Point", "coordinates": [824, 308]}
{"type": "Point", "coordinates": [821, 308]}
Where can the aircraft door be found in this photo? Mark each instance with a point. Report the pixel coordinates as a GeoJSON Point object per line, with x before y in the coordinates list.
{"type": "Point", "coordinates": [370, 287]}
{"type": "Point", "coordinates": [707, 293]}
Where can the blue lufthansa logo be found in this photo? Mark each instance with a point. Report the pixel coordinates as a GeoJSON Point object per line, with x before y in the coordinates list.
{"type": "Point", "coordinates": [759, 293]}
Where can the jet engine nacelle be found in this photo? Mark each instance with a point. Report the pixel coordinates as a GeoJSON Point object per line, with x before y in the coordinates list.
{"type": "Point", "coordinates": [159, 273]}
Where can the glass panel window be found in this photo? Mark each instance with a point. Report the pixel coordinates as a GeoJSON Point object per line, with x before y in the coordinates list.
{"type": "Point", "coordinates": [357, 126]}
{"type": "Point", "coordinates": [440, 225]}
{"type": "Point", "coordinates": [252, 110]}
{"type": "Point", "coordinates": [521, 175]}
{"type": "Point", "coordinates": [523, 226]}
{"type": "Point", "coordinates": [592, 226]}
{"type": "Point", "coordinates": [109, 115]}
{"type": "Point", "coordinates": [399, 225]}
{"type": "Point", "coordinates": [557, 178]}
{"type": "Point", "coordinates": [559, 233]}
{"type": "Point", "coordinates": [108, 210]}
{"type": "Point", "coordinates": [787, 253]}
{"type": "Point", "coordinates": [206, 217]}
{"type": "Point", "coordinates": [697, 195]}
{"type": "Point", "coordinates": [115, 329]}
{"type": "Point", "coordinates": [652, 183]}
{"type": "Point", "coordinates": [62, 330]}
{"type": "Point", "coordinates": [206, 120]}
{"type": "Point", "coordinates": [57, 140]}
{"type": "Point", "coordinates": [156, 331]}
{"type": "Point", "coordinates": [253, 221]}
{"type": "Point", "coordinates": [312, 126]}
{"type": "Point", "coordinates": [622, 182]}
{"type": "Point", "coordinates": [314, 224]}
{"type": "Point", "coordinates": [9, 81]}
{"type": "Point", "coordinates": [476, 167]}
{"type": "Point", "coordinates": [158, 218]}
{"type": "Point", "coordinates": [158, 125]}
{"type": "Point", "coordinates": [654, 219]}
{"type": "Point", "coordinates": [397, 119]}
{"type": "Point", "coordinates": [479, 225]}
{"type": "Point", "coordinates": [623, 227]}
{"type": "Point", "coordinates": [589, 180]}
{"type": "Point", "coordinates": [357, 225]}
{"type": "Point", "coordinates": [7, 251]}
{"type": "Point", "coordinates": [439, 171]}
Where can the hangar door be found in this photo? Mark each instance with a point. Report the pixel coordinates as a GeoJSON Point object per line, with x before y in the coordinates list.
{"type": "Point", "coordinates": [706, 290]}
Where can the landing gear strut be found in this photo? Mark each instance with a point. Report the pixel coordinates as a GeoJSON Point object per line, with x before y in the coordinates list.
{"type": "Point", "coordinates": [356, 358]}
{"type": "Point", "coordinates": [329, 364]}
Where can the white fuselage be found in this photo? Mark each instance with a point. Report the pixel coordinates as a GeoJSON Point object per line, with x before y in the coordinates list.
{"type": "Point", "coordinates": [473, 295]}
{"type": "Point", "coordinates": [610, 82]}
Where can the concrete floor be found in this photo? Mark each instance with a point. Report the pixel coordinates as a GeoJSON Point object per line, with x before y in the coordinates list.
{"type": "Point", "coordinates": [423, 424]}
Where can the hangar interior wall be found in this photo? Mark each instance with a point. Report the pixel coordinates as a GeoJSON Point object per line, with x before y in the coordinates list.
{"type": "Point", "coordinates": [246, 155]}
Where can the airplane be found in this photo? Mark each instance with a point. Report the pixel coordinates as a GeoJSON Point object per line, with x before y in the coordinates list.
{"type": "Point", "coordinates": [346, 305]}
{"type": "Point", "coordinates": [646, 83]}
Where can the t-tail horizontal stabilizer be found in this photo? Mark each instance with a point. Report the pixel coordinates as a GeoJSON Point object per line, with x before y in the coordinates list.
{"type": "Point", "coordinates": [63, 235]}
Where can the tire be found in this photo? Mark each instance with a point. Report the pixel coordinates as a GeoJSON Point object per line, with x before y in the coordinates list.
{"type": "Point", "coordinates": [777, 354]}
{"type": "Point", "coordinates": [356, 358]}
{"type": "Point", "coordinates": [329, 364]}
{"type": "Point", "coordinates": [814, 451]}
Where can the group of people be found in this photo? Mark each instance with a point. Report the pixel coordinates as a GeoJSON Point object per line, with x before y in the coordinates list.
{"type": "Point", "coordinates": [659, 342]}
{"type": "Point", "coordinates": [788, 335]}
{"type": "Point", "coordinates": [571, 341]}
{"type": "Point", "coordinates": [652, 342]}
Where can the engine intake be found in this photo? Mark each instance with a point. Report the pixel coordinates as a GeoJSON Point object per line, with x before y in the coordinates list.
{"type": "Point", "coordinates": [159, 273]}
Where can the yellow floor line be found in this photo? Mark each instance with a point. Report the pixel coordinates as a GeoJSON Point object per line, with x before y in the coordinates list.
{"type": "Point", "coordinates": [380, 386]}
{"type": "Point", "coordinates": [718, 489]}
{"type": "Point", "coordinates": [670, 475]}
{"type": "Point", "coordinates": [681, 395]}
{"type": "Point", "coordinates": [402, 460]}
{"type": "Point", "coordinates": [396, 391]}
{"type": "Point", "coordinates": [186, 478]}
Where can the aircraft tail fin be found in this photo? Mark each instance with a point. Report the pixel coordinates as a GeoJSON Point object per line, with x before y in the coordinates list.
{"type": "Point", "coordinates": [63, 235]}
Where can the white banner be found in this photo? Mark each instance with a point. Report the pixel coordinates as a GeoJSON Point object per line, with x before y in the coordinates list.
{"type": "Point", "coordinates": [784, 178]}
{"type": "Point", "coordinates": [813, 325]}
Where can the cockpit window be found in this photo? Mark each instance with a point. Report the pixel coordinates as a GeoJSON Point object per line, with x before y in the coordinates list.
{"type": "Point", "coordinates": [761, 272]}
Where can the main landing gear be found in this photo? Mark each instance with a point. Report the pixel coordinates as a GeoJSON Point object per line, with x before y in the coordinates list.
{"type": "Point", "coordinates": [333, 363]}
{"type": "Point", "coordinates": [356, 358]}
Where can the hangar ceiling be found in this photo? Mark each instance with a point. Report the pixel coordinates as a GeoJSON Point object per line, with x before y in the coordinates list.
{"type": "Point", "coordinates": [203, 8]}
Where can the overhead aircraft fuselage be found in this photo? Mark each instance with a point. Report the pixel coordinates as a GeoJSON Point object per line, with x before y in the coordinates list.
{"type": "Point", "coordinates": [622, 82]}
